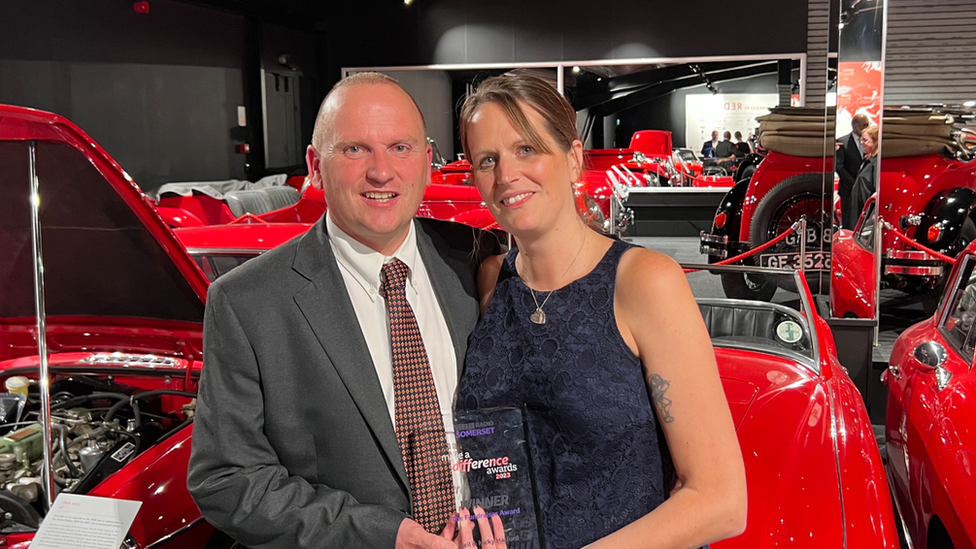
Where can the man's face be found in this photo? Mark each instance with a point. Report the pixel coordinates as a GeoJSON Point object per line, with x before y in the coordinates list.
{"type": "Point", "coordinates": [857, 127]}
{"type": "Point", "coordinates": [715, 136]}
{"type": "Point", "coordinates": [374, 164]}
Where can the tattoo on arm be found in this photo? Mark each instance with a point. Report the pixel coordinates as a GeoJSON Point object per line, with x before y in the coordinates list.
{"type": "Point", "coordinates": [659, 386]}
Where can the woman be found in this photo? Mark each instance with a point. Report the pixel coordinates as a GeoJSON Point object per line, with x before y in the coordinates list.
{"type": "Point", "coordinates": [865, 184]}
{"type": "Point", "coordinates": [592, 337]}
{"type": "Point", "coordinates": [743, 146]}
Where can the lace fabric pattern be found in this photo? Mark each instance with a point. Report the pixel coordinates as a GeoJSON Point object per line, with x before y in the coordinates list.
{"type": "Point", "coordinates": [597, 450]}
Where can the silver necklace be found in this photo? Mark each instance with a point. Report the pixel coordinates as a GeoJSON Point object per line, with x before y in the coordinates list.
{"type": "Point", "coordinates": [539, 316]}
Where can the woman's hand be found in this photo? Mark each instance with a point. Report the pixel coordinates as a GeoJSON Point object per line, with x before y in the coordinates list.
{"type": "Point", "coordinates": [463, 524]}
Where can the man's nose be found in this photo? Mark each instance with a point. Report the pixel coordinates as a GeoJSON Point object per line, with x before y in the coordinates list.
{"type": "Point", "coordinates": [380, 168]}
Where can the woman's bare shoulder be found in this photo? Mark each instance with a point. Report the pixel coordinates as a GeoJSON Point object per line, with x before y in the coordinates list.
{"type": "Point", "coordinates": [643, 269]}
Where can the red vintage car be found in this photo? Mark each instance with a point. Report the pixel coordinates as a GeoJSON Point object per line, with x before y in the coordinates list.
{"type": "Point", "coordinates": [852, 270]}
{"type": "Point", "coordinates": [930, 421]}
{"type": "Point", "coordinates": [119, 329]}
{"type": "Point", "coordinates": [928, 191]}
{"type": "Point", "coordinates": [654, 163]}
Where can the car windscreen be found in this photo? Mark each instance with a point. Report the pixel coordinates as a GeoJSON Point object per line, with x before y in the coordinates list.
{"type": "Point", "coordinates": [957, 326]}
{"type": "Point", "coordinates": [777, 325]}
{"type": "Point", "coordinates": [99, 258]}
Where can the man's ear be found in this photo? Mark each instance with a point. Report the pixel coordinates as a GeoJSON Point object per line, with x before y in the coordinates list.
{"type": "Point", "coordinates": [314, 171]}
{"type": "Point", "coordinates": [430, 161]}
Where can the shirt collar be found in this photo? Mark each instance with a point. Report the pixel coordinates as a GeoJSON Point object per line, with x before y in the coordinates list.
{"type": "Point", "coordinates": [366, 264]}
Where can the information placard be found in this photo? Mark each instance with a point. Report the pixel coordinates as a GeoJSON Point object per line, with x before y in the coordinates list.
{"type": "Point", "coordinates": [86, 522]}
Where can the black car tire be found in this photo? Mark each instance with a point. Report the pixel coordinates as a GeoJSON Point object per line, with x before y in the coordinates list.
{"type": "Point", "coordinates": [751, 287]}
{"type": "Point", "coordinates": [746, 174]}
{"type": "Point", "coordinates": [781, 207]}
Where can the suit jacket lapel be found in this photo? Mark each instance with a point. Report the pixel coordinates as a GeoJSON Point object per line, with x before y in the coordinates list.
{"type": "Point", "coordinates": [450, 294]}
{"type": "Point", "coordinates": [325, 303]}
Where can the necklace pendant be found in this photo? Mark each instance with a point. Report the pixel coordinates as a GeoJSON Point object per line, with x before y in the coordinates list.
{"type": "Point", "coordinates": [538, 317]}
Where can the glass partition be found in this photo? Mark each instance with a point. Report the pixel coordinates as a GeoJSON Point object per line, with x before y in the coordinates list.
{"type": "Point", "coordinates": [860, 92]}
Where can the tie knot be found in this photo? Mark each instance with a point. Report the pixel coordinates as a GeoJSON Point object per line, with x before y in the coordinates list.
{"type": "Point", "coordinates": [394, 276]}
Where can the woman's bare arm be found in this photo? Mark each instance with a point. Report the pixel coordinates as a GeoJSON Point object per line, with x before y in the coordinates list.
{"type": "Point", "coordinates": [487, 278]}
{"type": "Point", "coordinates": [660, 320]}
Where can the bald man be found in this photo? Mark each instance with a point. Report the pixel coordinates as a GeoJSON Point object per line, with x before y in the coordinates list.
{"type": "Point", "coordinates": [847, 162]}
{"type": "Point", "coordinates": [294, 441]}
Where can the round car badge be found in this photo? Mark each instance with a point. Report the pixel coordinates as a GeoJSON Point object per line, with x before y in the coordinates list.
{"type": "Point", "coordinates": [789, 331]}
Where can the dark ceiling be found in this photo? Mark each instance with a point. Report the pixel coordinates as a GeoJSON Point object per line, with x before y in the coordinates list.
{"type": "Point", "coordinates": [303, 14]}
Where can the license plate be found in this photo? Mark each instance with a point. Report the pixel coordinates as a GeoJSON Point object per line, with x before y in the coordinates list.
{"type": "Point", "coordinates": [812, 261]}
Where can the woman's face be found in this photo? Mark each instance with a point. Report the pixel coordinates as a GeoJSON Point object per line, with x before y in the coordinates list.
{"type": "Point", "coordinates": [525, 189]}
{"type": "Point", "coordinates": [868, 144]}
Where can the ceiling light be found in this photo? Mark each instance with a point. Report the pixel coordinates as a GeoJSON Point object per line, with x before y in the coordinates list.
{"type": "Point", "coordinates": [969, 103]}
{"type": "Point", "coordinates": [576, 69]}
{"type": "Point", "coordinates": [407, 2]}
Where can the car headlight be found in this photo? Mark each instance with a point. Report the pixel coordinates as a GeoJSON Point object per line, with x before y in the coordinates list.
{"type": "Point", "coordinates": [594, 215]}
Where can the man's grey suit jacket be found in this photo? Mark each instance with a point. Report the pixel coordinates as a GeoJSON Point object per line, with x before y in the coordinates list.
{"type": "Point", "coordinates": [293, 445]}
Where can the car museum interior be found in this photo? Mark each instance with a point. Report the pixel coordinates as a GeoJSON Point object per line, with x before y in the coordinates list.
{"type": "Point", "coordinates": [810, 166]}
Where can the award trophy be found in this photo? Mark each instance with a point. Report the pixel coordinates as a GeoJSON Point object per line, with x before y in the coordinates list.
{"type": "Point", "coordinates": [493, 456]}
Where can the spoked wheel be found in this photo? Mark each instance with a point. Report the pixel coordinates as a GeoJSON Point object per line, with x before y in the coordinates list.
{"type": "Point", "coordinates": [793, 198]}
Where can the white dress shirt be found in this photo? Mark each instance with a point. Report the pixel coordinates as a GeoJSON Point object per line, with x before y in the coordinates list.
{"type": "Point", "coordinates": [361, 268]}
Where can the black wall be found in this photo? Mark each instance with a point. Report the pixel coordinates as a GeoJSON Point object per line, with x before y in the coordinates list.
{"type": "Point", "coordinates": [668, 112]}
{"type": "Point", "coordinates": [470, 31]}
{"type": "Point", "coordinates": [158, 91]}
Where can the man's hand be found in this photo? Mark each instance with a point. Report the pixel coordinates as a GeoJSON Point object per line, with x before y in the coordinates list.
{"type": "Point", "coordinates": [413, 536]}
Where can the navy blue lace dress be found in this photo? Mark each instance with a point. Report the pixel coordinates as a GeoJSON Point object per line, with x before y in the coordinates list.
{"type": "Point", "coordinates": [598, 453]}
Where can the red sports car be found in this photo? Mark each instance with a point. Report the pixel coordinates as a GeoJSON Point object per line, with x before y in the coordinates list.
{"type": "Point", "coordinates": [853, 269]}
{"type": "Point", "coordinates": [930, 422]}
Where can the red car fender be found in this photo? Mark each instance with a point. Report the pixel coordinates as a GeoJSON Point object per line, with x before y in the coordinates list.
{"type": "Point", "coordinates": [908, 185]}
{"type": "Point", "coordinates": [852, 277]}
{"type": "Point", "coordinates": [771, 171]}
{"type": "Point", "coordinates": [948, 476]}
{"type": "Point", "coordinates": [476, 217]}
{"type": "Point", "coordinates": [157, 478]}
{"type": "Point", "coordinates": [786, 474]}
{"type": "Point", "coordinates": [178, 217]}
{"type": "Point", "coordinates": [868, 511]}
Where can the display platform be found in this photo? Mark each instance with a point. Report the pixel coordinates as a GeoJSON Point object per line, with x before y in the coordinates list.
{"type": "Point", "coordinates": [672, 211]}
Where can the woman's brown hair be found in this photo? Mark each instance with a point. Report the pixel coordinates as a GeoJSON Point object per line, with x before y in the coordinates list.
{"type": "Point", "coordinates": [872, 132]}
{"type": "Point", "coordinates": [510, 91]}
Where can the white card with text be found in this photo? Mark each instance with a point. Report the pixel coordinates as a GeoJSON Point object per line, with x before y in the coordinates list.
{"type": "Point", "coordinates": [86, 522]}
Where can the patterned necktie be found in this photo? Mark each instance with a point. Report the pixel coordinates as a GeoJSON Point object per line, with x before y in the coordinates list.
{"type": "Point", "coordinates": [419, 425]}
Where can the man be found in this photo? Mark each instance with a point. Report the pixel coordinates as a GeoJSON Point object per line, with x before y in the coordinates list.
{"type": "Point", "coordinates": [295, 438]}
{"type": "Point", "coordinates": [848, 156]}
{"type": "Point", "coordinates": [725, 151]}
{"type": "Point", "coordinates": [708, 149]}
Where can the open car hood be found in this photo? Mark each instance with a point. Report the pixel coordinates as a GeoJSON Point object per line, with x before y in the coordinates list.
{"type": "Point", "coordinates": [107, 257]}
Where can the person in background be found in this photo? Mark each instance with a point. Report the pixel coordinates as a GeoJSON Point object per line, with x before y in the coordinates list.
{"type": "Point", "coordinates": [708, 149]}
{"type": "Point", "coordinates": [564, 334]}
{"type": "Point", "coordinates": [743, 146]}
{"type": "Point", "coordinates": [306, 432]}
{"type": "Point", "coordinates": [726, 149]}
{"type": "Point", "coordinates": [848, 157]}
{"type": "Point", "coordinates": [866, 182]}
